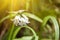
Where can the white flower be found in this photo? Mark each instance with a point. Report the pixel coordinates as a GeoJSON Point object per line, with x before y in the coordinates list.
{"type": "Point", "coordinates": [21, 21]}
{"type": "Point", "coordinates": [26, 19]}
{"type": "Point", "coordinates": [16, 20]}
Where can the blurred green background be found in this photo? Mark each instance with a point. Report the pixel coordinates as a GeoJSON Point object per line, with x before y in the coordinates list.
{"type": "Point", "coordinates": [40, 8]}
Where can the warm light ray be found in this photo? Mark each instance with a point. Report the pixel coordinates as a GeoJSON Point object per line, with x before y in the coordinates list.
{"type": "Point", "coordinates": [3, 4]}
{"type": "Point", "coordinates": [16, 4]}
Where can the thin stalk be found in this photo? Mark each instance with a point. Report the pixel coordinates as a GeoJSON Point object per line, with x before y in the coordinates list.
{"type": "Point", "coordinates": [35, 35]}
{"type": "Point", "coordinates": [7, 17]}
{"type": "Point", "coordinates": [55, 23]}
{"type": "Point", "coordinates": [19, 28]}
{"type": "Point", "coordinates": [4, 19]}
{"type": "Point", "coordinates": [11, 31]}
{"type": "Point", "coordinates": [15, 33]}
{"type": "Point", "coordinates": [27, 4]}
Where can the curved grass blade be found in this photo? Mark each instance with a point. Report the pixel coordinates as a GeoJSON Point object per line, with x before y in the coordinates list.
{"type": "Point", "coordinates": [7, 17]}
{"type": "Point", "coordinates": [19, 28]}
{"type": "Point", "coordinates": [55, 23]}
{"type": "Point", "coordinates": [4, 19]}
{"type": "Point", "coordinates": [15, 32]}
{"type": "Point", "coordinates": [36, 18]}
{"type": "Point", "coordinates": [25, 38]}
{"type": "Point", "coordinates": [34, 34]}
{"type": "Point", "coordinates": [33, 17]}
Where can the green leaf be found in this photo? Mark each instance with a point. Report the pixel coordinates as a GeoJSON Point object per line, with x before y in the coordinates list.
{"type": "Point", "coordinates": [34, 34]}
{"type": "Point", "coordinates": [4, 19]}
{"type": "Point", "coordinates": [11, 32]}
{"type": "Point", "coordinates": [25, 38]}
{"type": "Point", "coordinates": [7, 17]}
{"type": "Point", "coordinates": [18, 29]}
{"type": "Point", "coordinates": [16, 32]}
{"type": "Point", "coordinates": [33, 17]}
{"type": "Point", "coordinates": [55, 23]}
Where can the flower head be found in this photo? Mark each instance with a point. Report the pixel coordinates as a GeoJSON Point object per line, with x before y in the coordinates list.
{"type": "Point", "coordinates": [21, 21]}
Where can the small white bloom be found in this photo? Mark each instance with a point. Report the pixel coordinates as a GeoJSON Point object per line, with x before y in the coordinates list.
{"type": "Point", "coordinates": [26, 19]}
{"type": "Point", "coordinates": [18, 20]}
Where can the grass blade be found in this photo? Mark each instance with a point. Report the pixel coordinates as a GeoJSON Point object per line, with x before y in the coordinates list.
{"type": "Point", "coordinates": [7, 17]}
{"type": "Point", "coordinates": [33, 17]}
{"type": "Point", "coordinates": [11, 32]}
{"type": "Point", "coordinates": [55, 23]}
{"type": "Point", "coordinates": [16, 32]}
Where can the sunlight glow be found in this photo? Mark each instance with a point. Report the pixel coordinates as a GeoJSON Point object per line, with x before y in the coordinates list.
{"type": "Point", "coordinates": [12, 4]}
{"type": "Point", "coordinates": [16, 4]}
{"type": "Point", "coordinates": [3, 4]}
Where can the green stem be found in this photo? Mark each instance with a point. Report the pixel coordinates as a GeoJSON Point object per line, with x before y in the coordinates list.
{"type": "Point", "coordinates": [31, 30]}
{"type": "Point", "coordinates": [11, 31]}
{"type": "Point", "coordinates": [27, 4]}
{"type": "Point", "coordinates": [4, 19]}
{"type": "Point", "coordinates": [18, 29]}
{"type": "Point", "coordinates": [55, 23]}
{"type": "Point", "coordinates": [36, 37]}
{"type": "Point", "coordinates": [7, 17]}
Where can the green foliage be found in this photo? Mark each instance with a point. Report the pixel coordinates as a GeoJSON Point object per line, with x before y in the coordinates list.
{"type": "Point", "coordinates": [56, 26]}
{"type": "Point", "coordinates": [13, 31]}
{"type": "Point", "coordinates": [25, 38]}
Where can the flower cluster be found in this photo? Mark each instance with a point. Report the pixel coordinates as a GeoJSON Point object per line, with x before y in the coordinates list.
{"type": "Point", "coordinates": [21, 21]}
